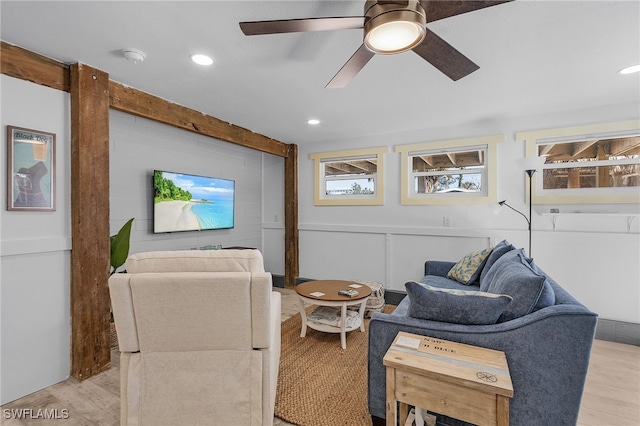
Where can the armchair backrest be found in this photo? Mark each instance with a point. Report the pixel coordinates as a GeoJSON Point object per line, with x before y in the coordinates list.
{"type": "Point", "coordinates": [196, 261]}
{"type": "Point", "coordinates": [168, 301]}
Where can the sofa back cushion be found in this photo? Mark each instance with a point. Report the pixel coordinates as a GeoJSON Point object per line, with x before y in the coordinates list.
{"type": "Point", "coordinates": [454, 306]}
{"type": "Point", "coordinates": [530, 290]}
{"type": "Point", "coordinates": [495, 268]}
{"type": "Point", "coordinates": [501, 248]}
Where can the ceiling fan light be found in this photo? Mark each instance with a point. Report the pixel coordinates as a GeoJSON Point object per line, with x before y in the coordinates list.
{"type": "Point", "coordinates": [394, 32]}
{"type": "Point", "coordinates": [393, 37]}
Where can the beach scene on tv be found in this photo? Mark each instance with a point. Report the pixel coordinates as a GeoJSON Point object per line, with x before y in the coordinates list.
{"type": "Point", "coordinates": [185, 202]}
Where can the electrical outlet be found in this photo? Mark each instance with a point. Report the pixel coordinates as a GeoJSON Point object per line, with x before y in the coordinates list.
{"type": "Point", "coordinates": [446, 221]}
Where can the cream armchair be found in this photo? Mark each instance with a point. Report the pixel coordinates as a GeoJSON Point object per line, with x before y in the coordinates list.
{"type": "Point", "coordinates": [199, 336]}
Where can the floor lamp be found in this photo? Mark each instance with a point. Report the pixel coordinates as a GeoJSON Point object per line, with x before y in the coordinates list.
{"type": "Point", "coordinates": [531, 164]}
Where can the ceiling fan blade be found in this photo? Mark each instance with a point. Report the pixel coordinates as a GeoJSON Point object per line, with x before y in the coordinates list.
{"type": "Point", "coordinates": [351, 68]}
{"type": "Point", "coordinates": [302, 25]}
{"type": "Point", "coordinates": [440, 9]}
{"type": "Point", "coordinates": [445, 57]}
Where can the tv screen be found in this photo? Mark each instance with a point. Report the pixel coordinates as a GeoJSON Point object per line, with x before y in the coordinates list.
{"type": "Point", "coordinates": [185, 202]}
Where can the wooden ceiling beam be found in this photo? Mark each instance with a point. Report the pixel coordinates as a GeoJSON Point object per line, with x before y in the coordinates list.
{"type": "Point", "coordinates": [624, 146]}
{"type": "Point", "coordinates": [452, 157]}
{"type": "Point", "coordinates": [337, 169]}
{"type": "Point", "coordinates": [546, 149]}
{"type": "Point", "coordinates": [363, 165]}
{"type": "Point", "coordinates": [578, 148]}
{"type": "Point", "coordinates": [349, 168]}
{"type": "Point", "coordinates": [26, 65]}
{"type": "Point", "coordinates": [142, 104]}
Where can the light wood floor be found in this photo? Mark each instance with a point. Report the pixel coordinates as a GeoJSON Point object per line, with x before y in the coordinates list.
{"type": "Point", "coordinates": [611, 397]}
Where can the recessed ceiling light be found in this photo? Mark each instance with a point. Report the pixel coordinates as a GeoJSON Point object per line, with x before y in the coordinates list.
{"type": "Point", "coordinates": [201, 59]}
{"type": "Point", "coordinates": [630, 70]}
{"type": "Point", "coordinates": [313, 121]}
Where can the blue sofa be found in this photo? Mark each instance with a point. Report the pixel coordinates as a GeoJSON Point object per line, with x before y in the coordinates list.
{"type": "Point", "coordinates": [547, 344]}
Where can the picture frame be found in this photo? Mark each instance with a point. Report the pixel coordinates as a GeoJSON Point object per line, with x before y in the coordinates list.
{"type": "Point", "coordinates": [31, 169]}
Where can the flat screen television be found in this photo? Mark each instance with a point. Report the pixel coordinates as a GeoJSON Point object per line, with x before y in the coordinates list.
{"type": "Point", "coordinates": [184, 202]}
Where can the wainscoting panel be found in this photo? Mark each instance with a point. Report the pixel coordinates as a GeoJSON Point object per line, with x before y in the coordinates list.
{"type": "Point", "coordinates": [389, 255]}
{"type": "Point", "coordinates": [407, 254]}
{"type": "Point", "coordinates": [343, 255]}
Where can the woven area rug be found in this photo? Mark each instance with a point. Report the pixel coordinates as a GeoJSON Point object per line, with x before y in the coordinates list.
{"type": "Point", "coordinates": [319, 383]}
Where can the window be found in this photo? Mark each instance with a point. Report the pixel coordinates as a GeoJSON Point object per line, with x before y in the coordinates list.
{"type": "Point", "coordinates": [449, 172]}
{"type": "Point", "coordinates": [349, 177]}
{"type": "Point", "coordinates": [588, 164]}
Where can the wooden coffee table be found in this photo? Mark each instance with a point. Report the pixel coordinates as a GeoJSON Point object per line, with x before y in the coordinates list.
{"type": "Point", "coordinates": [325, 293]}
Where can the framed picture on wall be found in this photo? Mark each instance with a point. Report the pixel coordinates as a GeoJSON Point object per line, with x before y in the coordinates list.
{"type": "Point", "coordinates": [31, 170]}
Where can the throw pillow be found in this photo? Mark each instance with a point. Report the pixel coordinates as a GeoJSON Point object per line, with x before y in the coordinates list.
{"type": "Point", "coordinates": [509, 256]}
{"type": "Point", "coordinates": [514, 276]}
{"type": "Point", "coordinates": [454, 306]}
{"type": "Point", "coordinates": [468, 269]}
{"type": "Point", "coordinates": [500, 249]}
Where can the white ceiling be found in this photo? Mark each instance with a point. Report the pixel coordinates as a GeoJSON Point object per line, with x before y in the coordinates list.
{"type": "Point", "coordinates": [534, 57]}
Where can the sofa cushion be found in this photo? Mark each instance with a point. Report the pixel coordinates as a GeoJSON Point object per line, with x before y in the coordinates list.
{"type": "Point", "coordinates": [501, 248]}
{"type": "Point", "coordinates": [513, 275]}
{"type": "Point", "coordinates": [468, 269]}
{"type": "Point", "coordinates": [454, 306]}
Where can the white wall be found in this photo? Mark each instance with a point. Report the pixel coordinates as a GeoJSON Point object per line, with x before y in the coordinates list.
{"type": "Point", "coordinates": [138, 146]}
{"type": "Point", "coordinates": [594, 257]}
{"type": "Point", "coordinates": [35, 321]}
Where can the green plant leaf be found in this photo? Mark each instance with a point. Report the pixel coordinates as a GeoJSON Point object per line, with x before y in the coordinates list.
{"type": "Point", "coordinates": [120, 246]}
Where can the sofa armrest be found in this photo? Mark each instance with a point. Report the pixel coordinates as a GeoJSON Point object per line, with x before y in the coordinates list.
{"type": "Point", "coordinates": [439, 268]}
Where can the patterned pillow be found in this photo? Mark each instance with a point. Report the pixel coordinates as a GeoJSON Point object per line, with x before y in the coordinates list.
{"type": "Point", "coordinates": [468, 269]}
{"type": "Point", "coordinates": [454, 306]}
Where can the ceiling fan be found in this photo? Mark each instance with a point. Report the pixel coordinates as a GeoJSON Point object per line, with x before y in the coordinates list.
{"type": "Point", "coordinates": [390, 27]}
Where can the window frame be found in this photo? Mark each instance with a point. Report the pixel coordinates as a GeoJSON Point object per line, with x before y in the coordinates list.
{"type": "Point", "coordinates": [606, 195]}
{"type": "Point", "coordinates": [319, 193]}
{"type": "Point", "coordinates": [490, 183]}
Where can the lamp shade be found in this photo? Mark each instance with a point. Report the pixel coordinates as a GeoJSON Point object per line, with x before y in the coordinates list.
{"type": "Point", "coordinates": [531, 163]}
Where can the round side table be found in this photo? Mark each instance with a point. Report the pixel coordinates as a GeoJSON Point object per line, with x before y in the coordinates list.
{"type": "Point", "coordinates": [325, 293]}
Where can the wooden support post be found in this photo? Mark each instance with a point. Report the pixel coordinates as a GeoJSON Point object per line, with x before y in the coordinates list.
{"type": "Point", "coordinates": [291, 253]}
{"type": "Point", "coordinates": [90, 249]}
{"type": "Point", "coordinates": [573, 178]}
{"type": "Point", "coordinates": [602, 173]}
